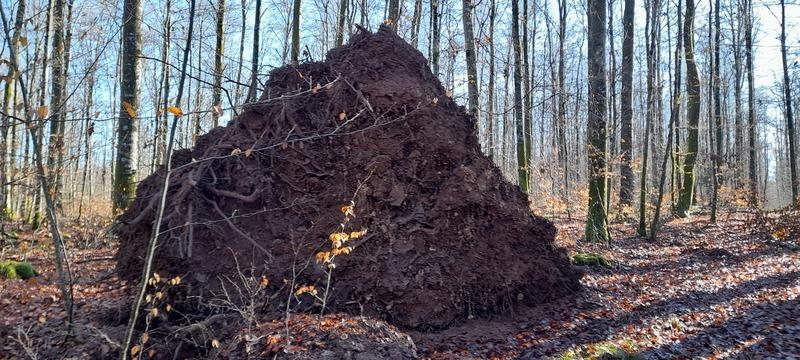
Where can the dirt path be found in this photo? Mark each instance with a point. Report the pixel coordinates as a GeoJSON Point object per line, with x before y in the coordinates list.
{"type": "Point", "coordinates": [702, 291]}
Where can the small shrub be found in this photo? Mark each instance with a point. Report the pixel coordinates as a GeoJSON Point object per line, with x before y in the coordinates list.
{"type": "Point", "coordinates": [17, 270]}
{"type": "Point", "coordinates": [591, 259]}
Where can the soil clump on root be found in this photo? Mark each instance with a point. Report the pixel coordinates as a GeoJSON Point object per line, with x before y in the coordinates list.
{"type": "Point", "coordinates": [369, 131]}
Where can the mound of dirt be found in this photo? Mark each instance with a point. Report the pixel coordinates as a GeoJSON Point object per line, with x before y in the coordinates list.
{"type": "Point", "coordinates": [447, 237]}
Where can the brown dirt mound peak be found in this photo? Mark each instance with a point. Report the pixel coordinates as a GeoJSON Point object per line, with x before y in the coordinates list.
{"type": "Point", "coordinates": [447, 236]}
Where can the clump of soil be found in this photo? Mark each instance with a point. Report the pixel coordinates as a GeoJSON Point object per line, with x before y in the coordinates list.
{"type": "Point", "coordinates": [448, 237]}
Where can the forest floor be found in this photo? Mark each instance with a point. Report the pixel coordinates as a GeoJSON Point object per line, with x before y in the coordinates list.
{"type": "Point", "coordinates": [702, 290]}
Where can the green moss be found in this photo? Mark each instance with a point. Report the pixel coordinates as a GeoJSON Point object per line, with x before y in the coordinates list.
{"type": "Point", "coordinates": [591, 259]}
{"type": "Point", "coordinates": [8, 270]}
{"type": "Point", "coordinates": [603, 351]}
{"type": "Point", "coordinates": [17, 270]}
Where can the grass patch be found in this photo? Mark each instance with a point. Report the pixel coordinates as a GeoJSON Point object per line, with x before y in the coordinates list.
{"type": "Point", "coordinates": [591, 259]}
{"type": "Point", "coordinates": [626, 351]}
{"type": "Point", "coordinates": [17, 270]}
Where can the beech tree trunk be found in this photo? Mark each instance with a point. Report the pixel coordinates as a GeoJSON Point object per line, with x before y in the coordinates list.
{"type": "Point", "coordinates": [626, 107]}
{"type": "Point", "coordinates": [128, 126]}
{"type": "Point", "coordinates": [751, 106]}
{"type": "Point", "coordinates": [596, 219]}
{"type": "Point", "coordinates": [787, 97]}
{"type": "Point", "coordinates": [522, 162]}
{"type": "Point", "coordinates": [251, 92]}
{"type": "Point", "coordinates": [296, 33]}
{"type": "Point", "coordinates": [219, 52]}
{"type": "Point", "coordinates": [686, 195]}
{"type": "Point", "coordinates": [472, 71]}
{"type": "Point", "coordinates": [490, 92]}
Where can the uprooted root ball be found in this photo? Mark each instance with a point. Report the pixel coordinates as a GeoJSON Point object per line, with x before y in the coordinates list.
{"type": "Point", "coordinates": [448, 237]}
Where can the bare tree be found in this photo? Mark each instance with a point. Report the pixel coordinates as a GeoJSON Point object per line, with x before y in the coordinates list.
{"type": "Point", "coordinates": [787, 97]}
{"type": "Point", "coordinates": [686, 196]}
{"type": "Point", "coordinates": [472, 71]}
{"type": "Point", "coordinates": [434, 35]}
{"type": "Point", "coordinates": [751, 105]}
{"type": "Point", "coordinates": [296, 33]}
{"type": "Point", "coordinates": [519, 119]}
{"type": "Point", "coordinates": [340, 22]}
{"type": "Point", "coordinates": [597, 217]}
{"type": "Point", "coordinates": [393, 14]}
{"type": "Point", "coordinates": [718, 133]}
{"type": "Point", "coordinates": [251, 92]}
{"type": "Point", "coordinates": [490, 91]}
{"type": "Point", "coordinates": [127, 131]}
{"type": "Point", "coordinates": [219, 52]}
{"type": "Point", "coordinates": [626, 107]}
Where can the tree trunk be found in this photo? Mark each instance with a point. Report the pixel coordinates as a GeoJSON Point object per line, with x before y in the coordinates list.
{"type": "Point", "coordinates": [596, 219]}
{"type": "Point", "coordinates": [490, 93]}
{"type": "Point", "coordinates": [673, 116]}
{"type": "Point", "coordinates": [239, 84]}
{"type": "Point", "coordinates": [128, 127]}
{"type": "Point", "coordinates": [219, 52]}
{"type": "Point", "coordinates": [415, 21]}
{"type": "Point", "coordinates": [394, 14]}
{"type": "Point", "coordinates": [472, 72]}
{"type": "Point", "coordinates": [522, 163]}
{"type": "Point", "coordinates": [652, 10]}
{"type": "Point", "coordinates": [340, 22]}
{"type": "Point", "coordinates": [787, 97]}
{"type": "Point", "coordinates": [56, 100]}
{"type": "Point", "coordinates": [434, 31]}
{"type": "Point", "coordinates": [626, 108]}
{"type": "Point", "coordinates": [251, 93]}
{"type": "Point", "coordinates": [718, 137]}
{"type": "Point", "coordinates": [296, 33]}
{"type": "Point", "coordinates": [165, 71]}
{"type": "Point", "coordinates": [8, 149]}
{"type": "Point", "coordinates": [751, 106]}
{"type": "Point", "coordinates": [561, 121]}
{"type": "Point", "coordinates": [686, 196]}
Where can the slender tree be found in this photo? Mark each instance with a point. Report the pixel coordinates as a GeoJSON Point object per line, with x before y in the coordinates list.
{"type": "Point", "coordinates": [219, 53]}
{"type": "Point", "coordinates": [718, 133]}
{"type": "Point", "coordinates": [7, 149]}
{"type": "Point", "coordinates": [472, 70]}
{"type": "Point", "coordinates": [415, 21]}
{"type": "Point", "coordinates": [626, 107]}
{"type": "Point", "coordinates": [128, 126]}
{"type": "Point", "coordinates": [652, 7]}
{"type": "Point", "coordinates": [56, 146]}
{"type": "Point", "coordinates": [340, 22]}
{"type": "Point", "coordinates": [522, 162]}
{"type": "Point", "coordinates": [787, 98]}
{"type": "Point", "coordinates": [596, 219]}
{"type": "Point", "coordinates": [561, 121]}
{"type": "Point", "coordinates": [251, 92]}
{"type": "Point", "coordinates": [296, 33]}
{"type": "Point", "coordinates": [686, 195]}
{"type": "Point", "coordinates": [751, 105]}
{"type": "Point", "coordinates": [393, 14]}
{"type": "Point", "coordinates": [434, 35]}
{"type": "Point", "coordinates": [490, 91]}
{"type": "Point", "coordinates": [671, 134]}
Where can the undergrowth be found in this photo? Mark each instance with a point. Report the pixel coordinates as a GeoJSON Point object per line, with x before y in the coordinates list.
{"type": "Point", "coordinates": [11, 269]}
{"type": "Point", "coordinates": [591, 259]}
{"type": "Point", "coordinates": [626, 351]}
